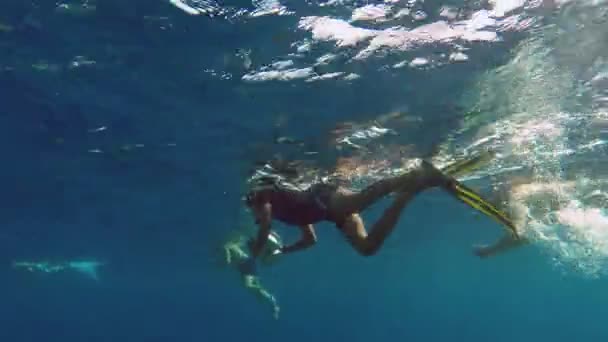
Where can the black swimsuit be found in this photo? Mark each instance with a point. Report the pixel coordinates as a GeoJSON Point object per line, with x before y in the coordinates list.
{"type": "Point", "coordinates": [299, 207]}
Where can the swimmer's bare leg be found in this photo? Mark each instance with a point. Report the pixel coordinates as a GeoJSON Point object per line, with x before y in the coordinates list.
{"type": "Point", "coordinates": [252, 283]}
{"type": "Point", "coordinates": [366, 244]}
{"type": "Point", "coordinates": [506, 243]}
{"type": "Point", "coordinates": [345, 202]}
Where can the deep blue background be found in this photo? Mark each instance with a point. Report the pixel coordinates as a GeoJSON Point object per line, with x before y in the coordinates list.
{"type": "Point", "coordinates": [157, 214]}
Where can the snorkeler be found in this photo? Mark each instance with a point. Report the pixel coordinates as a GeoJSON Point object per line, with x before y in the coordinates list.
{"type": "Point", "coordinates": [336, 204]}
{"type": "Point", "coordinates": [41, 267]}
{"type": "Point", "coordinates": [235, 255]}
{"type": "Point", "coordinates": [88, 268]}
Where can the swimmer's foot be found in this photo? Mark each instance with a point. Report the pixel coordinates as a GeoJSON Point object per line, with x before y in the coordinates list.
{"type": "Point", "coordinates": [423, 177]}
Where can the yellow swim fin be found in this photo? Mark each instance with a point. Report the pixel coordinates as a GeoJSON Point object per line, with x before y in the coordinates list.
{"type": "Point", "coordinates": [466, 166]}
{"type": "Point", "coordinates": [469, 196]}
{"type": "Point", "coordinates": [474, 200]}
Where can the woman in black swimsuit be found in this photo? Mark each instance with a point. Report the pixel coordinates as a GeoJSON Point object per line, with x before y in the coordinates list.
{"type": "Point", "coordinates": [325, 202]}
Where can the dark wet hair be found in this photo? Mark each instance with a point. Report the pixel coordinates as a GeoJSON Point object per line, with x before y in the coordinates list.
{"type": "Point", "coordinates": [258, 185]}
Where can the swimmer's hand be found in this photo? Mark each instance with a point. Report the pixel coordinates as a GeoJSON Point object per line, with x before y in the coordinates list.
{"type": "Point", "coordinates": [248, 267]}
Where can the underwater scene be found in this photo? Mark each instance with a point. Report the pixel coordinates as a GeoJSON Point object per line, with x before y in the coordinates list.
{"type": "Point", "coordinates": [314, 170]}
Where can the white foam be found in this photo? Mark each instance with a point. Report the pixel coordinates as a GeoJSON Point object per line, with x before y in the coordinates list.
{"type": "Point", "coordinates": [330, 29]}
{"type": "Point", "coordinates": [480, 27]}
{"type": "Point", "coordinates": [280, 65]}
{"type": "Point", "coordinates": [400, 64]}
{"type": "Point", "coordinates": [326, 76]}
{"type": "Point", "coordinates": [439, 31]}
{"type": "Point", "coordinates": [447, 12]}
{"type": "Point", "coordinates": [184, 7]}
{"type": "Point", "coordinates": [404, 12]}
{"type": "Point", "coordinates": [302, 47]}
{"type": "Point", "coordinates": [332, 3]}
{"type": "Point", "coordinates": [502, 7]}
{"type": "Point", "coordinates": [600, 80]}
{"type": "Point", "coordinates": [458, 57]}
{"type": "Point", "coordinates": [370, 13]}
{"type": "Point", "coordinates": [278, 75]}
{"type": "Point", "coordinates": [590, 220]}
{"type": "Point", "coordinates": [418, 62]}
{"type": "Point", "coordinates": [479, 20]}
{"type": "Point", "coordinates": [326, 58]}
{"type": "Point", "coordinates": [269, 7]}
{"type": "Point", "coordinates": [351, 77]}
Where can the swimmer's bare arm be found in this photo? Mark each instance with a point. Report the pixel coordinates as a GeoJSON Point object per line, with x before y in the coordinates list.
{"type": "Point", "coordinates": [308, 239]}
{"type": "Point", "coordinates": [263, 215]}
{"type": "Point", "coordinates": [505, 244]}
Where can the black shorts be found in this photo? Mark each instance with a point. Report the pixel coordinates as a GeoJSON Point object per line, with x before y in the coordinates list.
{"type": "Point", "coordinates": [321, 194]}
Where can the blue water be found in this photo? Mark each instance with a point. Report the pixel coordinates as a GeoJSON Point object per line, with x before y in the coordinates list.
{"type": "Point", "coordinates": [136, 154]}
